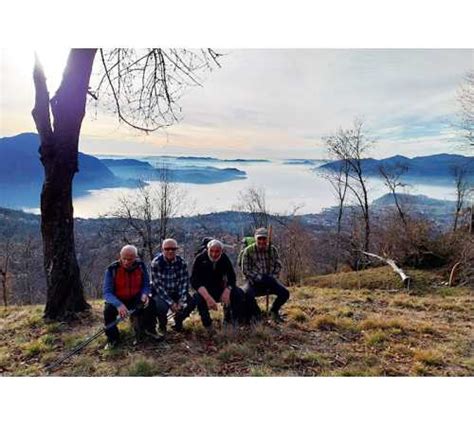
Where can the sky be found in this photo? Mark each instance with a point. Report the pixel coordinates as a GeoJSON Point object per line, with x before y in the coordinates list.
{"type": "Point", "coordinates": [275, 103]}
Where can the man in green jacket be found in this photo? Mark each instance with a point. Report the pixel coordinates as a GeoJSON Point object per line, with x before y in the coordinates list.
{"type": "Point", "coordinates": [261, 267]}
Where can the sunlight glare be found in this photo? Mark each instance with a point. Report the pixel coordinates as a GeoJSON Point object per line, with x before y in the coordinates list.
{"type": "Point", "coordinates": [54, 62]}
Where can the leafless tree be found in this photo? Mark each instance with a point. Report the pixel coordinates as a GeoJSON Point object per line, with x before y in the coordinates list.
{"type": "Point", "coordinates": [295, 247]}
{"type": "Point", "coordinates": [28, 266]}
{"type": "Point", "coordinates": [465, 97]}
{"type": "Point", "coordinates": [460, 175]}
{"type": "Point", "coordinates": [392, 179]}
{"type": "Point", "coordinates": [339, 179]}
{"type": "Point", "coordinates": [466, 273]}
{"type": "Point", "coordinates": [6, 258]}
{"type": "Point", "coordinates": [253, 200]}
{"type": "Point", "coordinates": [143, 88]}
{"type": "Point", "coordinates": [350, 146]}
{"type": "Point", "coordinates": [145, 215]}
{"type": "Point", "coordinates": [171, 201]}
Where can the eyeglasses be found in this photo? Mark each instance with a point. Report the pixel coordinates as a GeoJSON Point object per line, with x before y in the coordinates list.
{"type": "Point", "coordinates": [170, 248]}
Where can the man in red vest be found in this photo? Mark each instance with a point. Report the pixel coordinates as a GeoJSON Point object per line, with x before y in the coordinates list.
{"type": "Point", "coordinates": [126, 285]}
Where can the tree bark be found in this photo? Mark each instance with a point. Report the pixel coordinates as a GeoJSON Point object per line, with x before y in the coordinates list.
{"type": "Point", "coordinates": [4, 274]}
{"type": "Point", "coordinates": [59, 156]}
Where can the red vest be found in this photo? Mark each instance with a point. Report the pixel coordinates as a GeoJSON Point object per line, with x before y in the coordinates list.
{"type": "Point", "coordinates": [128, 284]}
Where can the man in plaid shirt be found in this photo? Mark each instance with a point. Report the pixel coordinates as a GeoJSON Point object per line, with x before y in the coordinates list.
{"type": "Point", "coordinates": [261, 267]}
{"type": "Point", "coordinates": [170, 280]}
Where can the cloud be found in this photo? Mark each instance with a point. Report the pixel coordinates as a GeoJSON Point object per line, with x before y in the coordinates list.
{"type": "Point", "coordinates": [281, 102]}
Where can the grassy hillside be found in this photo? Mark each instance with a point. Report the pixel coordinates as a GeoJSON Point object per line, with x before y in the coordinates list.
{"type": "Point", "coordinates": [337, 325]}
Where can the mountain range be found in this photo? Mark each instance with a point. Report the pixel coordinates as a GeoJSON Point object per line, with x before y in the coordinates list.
{"type": "Point", "coordinates": [429, 167]}
{"type": "Point", "coordinates": [21, 172]}
{"type": "Point", "coordinates": [20, 164]}
{"type": "Point", "coordinates": [186, 173]}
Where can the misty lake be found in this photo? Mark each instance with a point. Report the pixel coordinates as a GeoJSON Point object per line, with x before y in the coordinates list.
{"type": "Point", "coordinates": [286, 186]}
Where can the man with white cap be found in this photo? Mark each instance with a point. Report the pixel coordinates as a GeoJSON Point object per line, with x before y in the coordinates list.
{"type": "Point", "coordinates": [261, 267]}
{"type": "Point", "coordinates": [214, 280]}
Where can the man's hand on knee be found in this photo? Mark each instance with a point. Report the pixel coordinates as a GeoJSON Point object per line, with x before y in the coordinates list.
{"type": "Point", "coordinates": [123, 311]}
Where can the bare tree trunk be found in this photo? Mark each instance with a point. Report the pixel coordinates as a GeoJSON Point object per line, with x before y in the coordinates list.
{"type": "Point", "coordinates": [4, 274]}
{"type": "Point", "coordinates": [340, 185]}
{"type": "Point", "coordinates": [459, 173]}
{"type": "Point", "coordinates": [27, 257]}
{"type": "Point", "coordinates": [338, 235]}
{"type": "Point", "coordinates": [367, 220]}
{"type": "Point", "coordinates": [4, 270]}
{"type": "Point", "coordinates": [59, 155]}
{"type": "Point", "coordinates": [471, 222]}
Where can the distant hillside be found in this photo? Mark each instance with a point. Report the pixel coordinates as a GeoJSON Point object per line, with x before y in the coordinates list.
{"type": "Point", "coordinates": [127, 162]}
{"type": "Point", "coordinates": [413, 200]}
{"type": "Point", "coordinates": [429, 167]}
{"type": "Point", "coordinates": [21, 172]}
{"type": "Point", "coordinates": [303, 162]}
{"type": "Point", "coordinates": [191, 158]}
{"type": "Point", "coordinates": [20, 164]}
{"type": "Point", "coordinates": [198, 174]}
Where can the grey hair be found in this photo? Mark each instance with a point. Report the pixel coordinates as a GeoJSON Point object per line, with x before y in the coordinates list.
{"type": "Point", "coordinates": [169, 240]}
{"type": "Point", "coordinates": [129, 248]}
{"type": "Point", "coordinates": [214, 243]}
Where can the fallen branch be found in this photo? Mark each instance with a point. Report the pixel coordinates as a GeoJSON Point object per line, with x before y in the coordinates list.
{"type": "Point", "coordinates": [406, 280]}
{"type": "Point", "coordinates": [452, 275]}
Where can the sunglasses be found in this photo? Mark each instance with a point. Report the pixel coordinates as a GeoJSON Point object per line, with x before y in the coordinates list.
{"type": "Point", "coordinates": [170, 249]}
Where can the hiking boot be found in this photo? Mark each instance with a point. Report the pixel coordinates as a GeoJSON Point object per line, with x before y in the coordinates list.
{"type": "Point", "coordinates": [178, 326]}
{"type": "Point", "coordinates": [154, 335]}
{"type": "Point", "coordinates": [277, 317]}
{"type": "Point", "coordinates": [111, 345]}
{"type": "Point", "coordinates": [137, 339]}
{"type": "Point", "coordinates": [162, 331]}
{"type": "Point", "coordinates": [211, 332]}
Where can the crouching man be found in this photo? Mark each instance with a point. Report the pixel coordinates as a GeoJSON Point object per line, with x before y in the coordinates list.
{"type": "Point", "coordinates": [214, 280]}
{"type": "Point", "coordinates": [170, 280]}
{"type": "Point", "coordinates": [126, 287]}
{"type": "Point", "coordinates": [261, 267]}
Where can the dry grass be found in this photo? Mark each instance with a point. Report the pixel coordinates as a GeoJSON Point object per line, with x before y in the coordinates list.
{"type": "Point", "coordinates": [330, 331]}
{"type": "Point", "coordinates": [375, 278]}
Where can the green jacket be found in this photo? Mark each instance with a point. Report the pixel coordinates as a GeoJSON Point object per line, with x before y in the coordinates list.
{"type": "Point", "coordinates": [255, 264]}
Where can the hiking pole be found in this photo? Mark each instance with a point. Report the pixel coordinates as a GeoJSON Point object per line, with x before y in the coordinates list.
{"type": "Point", "coordinates": [82, 345]}
{"type": "Point", "coordinates": [267, 302]}
{"type": "Point", "coordinates": [173, 314]}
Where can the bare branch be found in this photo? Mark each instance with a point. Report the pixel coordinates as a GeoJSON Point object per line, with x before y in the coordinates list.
{"type": "Point", "coordinates": [144, 86]}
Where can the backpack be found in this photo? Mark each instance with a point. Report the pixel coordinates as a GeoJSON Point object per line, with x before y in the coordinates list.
{"type": "Point", "coordinates": [246, 241]}
{"type": "Point", "coordinates": [203, 246]}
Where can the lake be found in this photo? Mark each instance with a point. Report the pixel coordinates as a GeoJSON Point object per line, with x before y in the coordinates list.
{"type": "Point", "coordinates": [286, 187]}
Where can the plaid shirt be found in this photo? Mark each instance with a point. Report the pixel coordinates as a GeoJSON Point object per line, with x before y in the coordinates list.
{"type": "Point", "coordinates": [256, 263]}
{"type": "Point", "coordinates": [170, 279]}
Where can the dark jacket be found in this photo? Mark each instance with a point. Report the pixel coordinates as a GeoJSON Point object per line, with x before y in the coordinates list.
{"type": "Point", "coordinates": [126, 282]}
{"type": "Point", "coordinates": [214, 276]}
